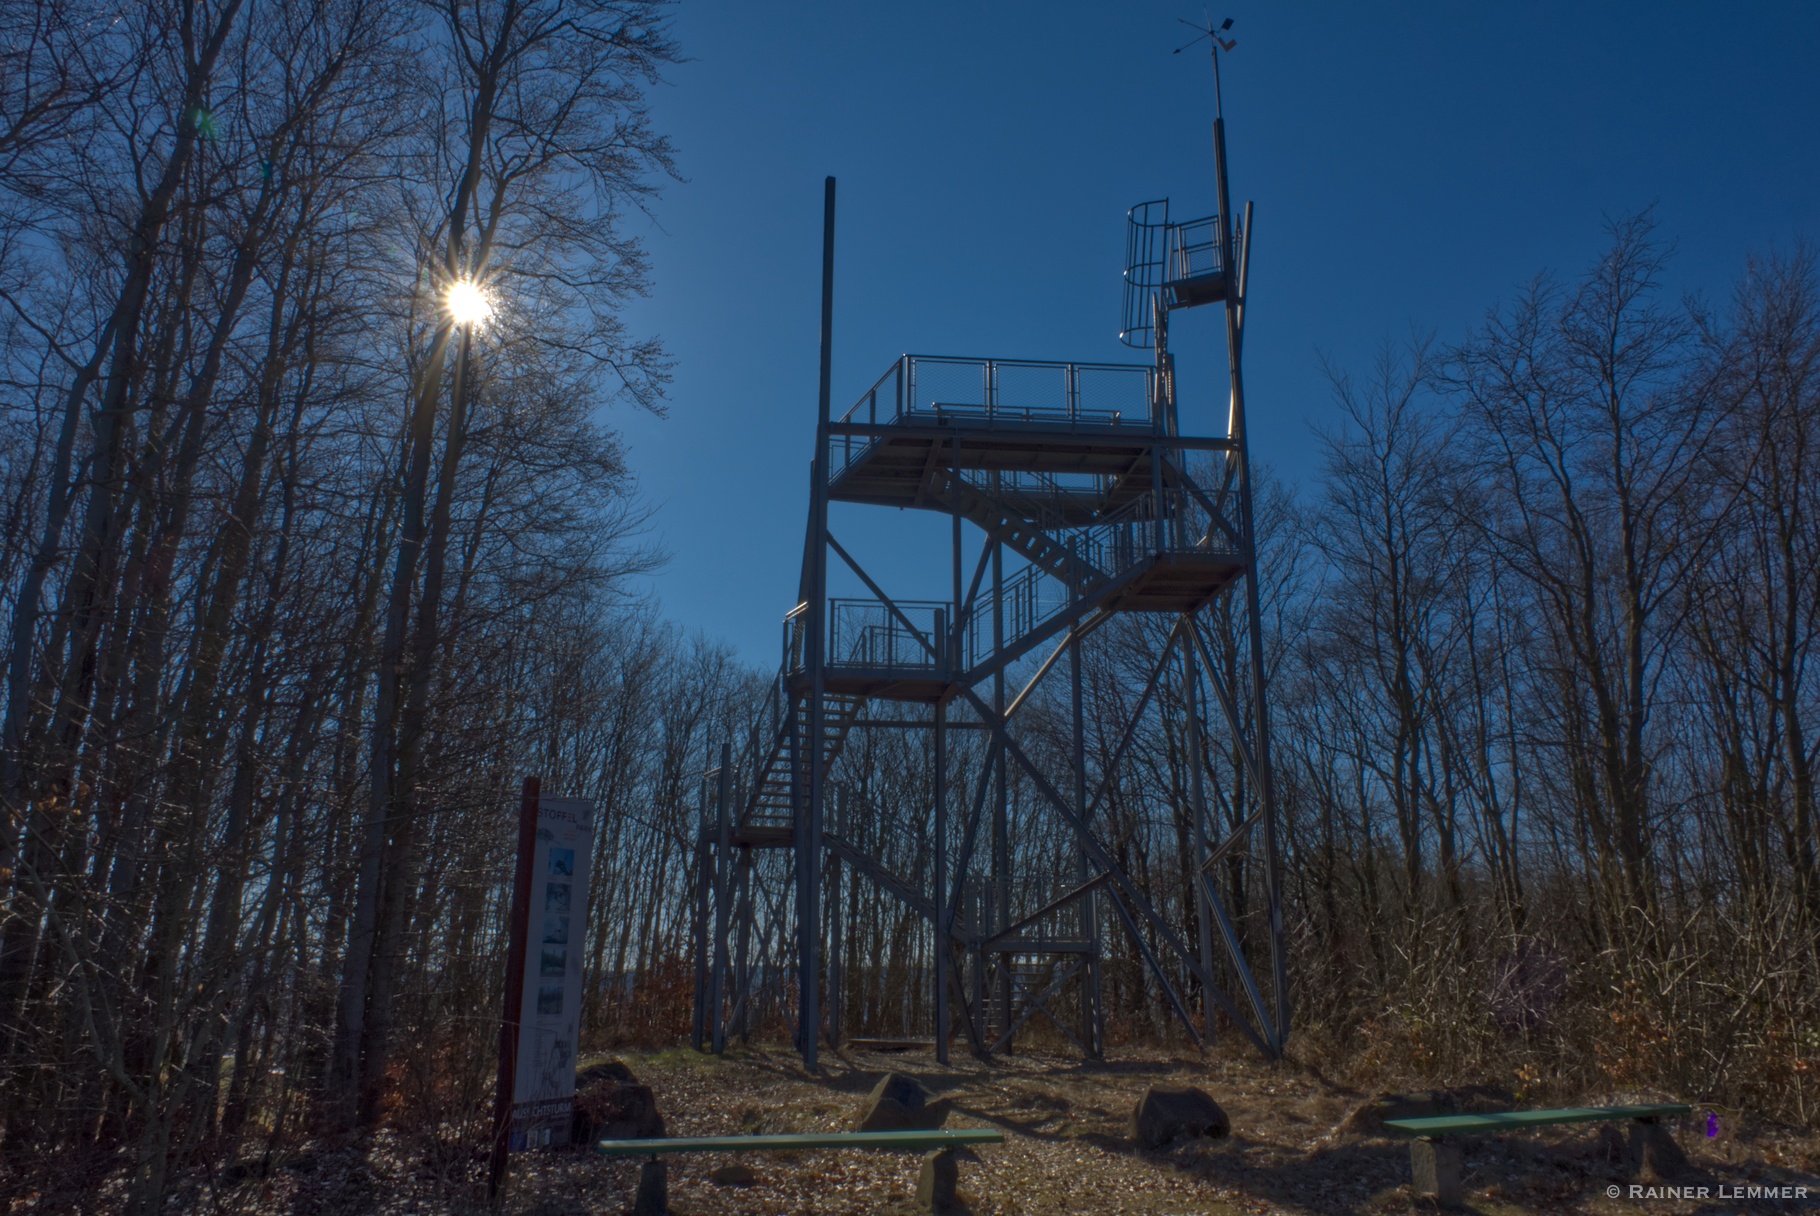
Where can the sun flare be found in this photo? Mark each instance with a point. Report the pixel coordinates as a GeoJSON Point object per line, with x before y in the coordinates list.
{"type": "Point", "coordinates": [468, 303]}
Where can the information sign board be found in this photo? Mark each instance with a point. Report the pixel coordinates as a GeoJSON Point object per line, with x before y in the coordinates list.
{"type": "Point", "coordinates": [549, 1023]}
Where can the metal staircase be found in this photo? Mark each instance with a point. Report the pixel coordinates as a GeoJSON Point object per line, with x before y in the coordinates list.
{"type": "Point", "coordinates": [1000, 517]}
{"type": "Point", "coordinates": [776, 790]}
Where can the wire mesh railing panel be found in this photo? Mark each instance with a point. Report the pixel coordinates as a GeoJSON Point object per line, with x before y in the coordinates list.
{"type": "Point", "coordinates": [948, 386]}
{"type": "Point", "coordinates": [1048, 500]}
{"type": "Point", "coordinates": [1195, 249]}
{"type": "Point", "coordinates": [1117, 542]}
{"type": "Point", "coordinates": [1190, 528]}
{"type": "Point", "coordinates": [1034, 483]}
{"type": "Point", "coordinates": [1037, 392]}
{"type": "Point", "coordinates": [881, 404]}
{"type": "Point", "coordinates": [936, 388]}
{"type": "Point", "coordinates": [1107, 392]}
{"type": "Point", "coordinates": [1011, 390]}
{"type": "Point", "coordinates": [865, 633]}
{"type": "Point", "coordinates": [1026, 600]}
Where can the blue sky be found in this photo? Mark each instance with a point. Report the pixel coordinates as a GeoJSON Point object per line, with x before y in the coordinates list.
{"type": "Point", "coordinates": [1411, 165]}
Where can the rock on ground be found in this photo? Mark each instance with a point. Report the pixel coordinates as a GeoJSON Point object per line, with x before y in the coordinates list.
{"type": "Point", "coordinates": [898, 1104]}
{"type": "Point", "coordinates": [610, 1104]}
{"type": "Point", "coordinates": [1167, 1113]}
{"type": "Point", "coordinates": [1369, 1119]}
{"type": "Point", "coordinates": [732, 1175]}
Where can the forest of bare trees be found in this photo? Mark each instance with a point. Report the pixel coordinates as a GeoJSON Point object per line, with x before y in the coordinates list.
{"type": "Point", "coordinates": [295, 571]}
{"type": "Point", "coordinates": [301, 578]}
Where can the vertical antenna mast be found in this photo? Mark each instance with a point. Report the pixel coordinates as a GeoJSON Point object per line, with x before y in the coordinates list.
{"type": "Point", "coordinates": [1218, 44]}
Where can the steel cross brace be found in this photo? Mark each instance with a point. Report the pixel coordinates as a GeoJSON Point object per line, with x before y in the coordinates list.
{"type": "Point", "coordinates": [972, 830]}
{"type": "Point", "coordinates": [882, 877]}
{"type": "Point", "coordinates": [1272, 1026]}
{"type": "Point", "coordinates": [1074, 635]}
{"type": "Point", "coordinates": [1104, 860]}
{"type": "Point", "coordinates": [1216, 518]}
{"type": "Point", "coordinates": [1036, 1003]}
{"type": "Point", "coordinates": [1010, 931]}
{"type": "Point", "coordinates": [884, 599]}
{"type": "Point", "coordinates": [1224, 695]}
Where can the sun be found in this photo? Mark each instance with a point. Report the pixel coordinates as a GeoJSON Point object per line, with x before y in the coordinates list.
{"type": "Point", "coordinates": [467, 303]}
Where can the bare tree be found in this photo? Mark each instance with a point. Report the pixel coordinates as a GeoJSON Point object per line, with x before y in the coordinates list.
{"type": "Point", "coordinates": [1588, 432]}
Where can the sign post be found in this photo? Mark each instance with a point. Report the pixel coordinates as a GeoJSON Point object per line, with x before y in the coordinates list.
{"type": "Point", "coordinates": [541, 1027]}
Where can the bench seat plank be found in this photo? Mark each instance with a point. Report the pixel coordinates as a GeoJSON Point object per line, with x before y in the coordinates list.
{"type": "Point", "coordinates": [1442, 1125]}
{"type": "Point", "coordinates": [947, 1138]}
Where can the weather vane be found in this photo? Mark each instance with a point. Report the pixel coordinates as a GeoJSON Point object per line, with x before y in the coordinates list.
{"type": "Point", "coordinates": [1219, 44]}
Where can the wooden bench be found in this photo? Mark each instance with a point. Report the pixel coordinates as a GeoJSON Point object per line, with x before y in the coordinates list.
{"type": "Point", "coordinates": [1435, 1161]}
{"type": "Point", "coordinates": [934, 1189]}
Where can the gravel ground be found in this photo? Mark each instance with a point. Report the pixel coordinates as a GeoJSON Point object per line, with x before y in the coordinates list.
{"type": "Point", "coordinates": [1065, 1151]}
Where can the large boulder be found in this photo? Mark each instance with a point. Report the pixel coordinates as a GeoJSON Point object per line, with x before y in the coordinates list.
{"type": "Point", "coordinates": [1369, 1119]}
{"type": "Point", "coordinates": [610, 1104]}
{"type": "Point", "coordinates": [1167, 1113]}
{"type": "Point", "coordinates": [900, 1104]}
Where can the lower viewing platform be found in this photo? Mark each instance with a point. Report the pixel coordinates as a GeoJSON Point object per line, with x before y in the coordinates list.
{"type": "Point", "coordinates": [893, 651]}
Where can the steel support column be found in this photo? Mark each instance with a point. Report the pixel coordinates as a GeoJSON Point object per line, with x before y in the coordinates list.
{"type": "Point", "coordinates": [1092, 1030]}
{"type": "Point", "coordinates": [1195, 788]}
{"type": "Point", "coordinates": [943, 947]}
{"type": "Point", "coordinates": [809, 810]}
{"type": "Point", "coordinates": [723, 896]}
{"type": "Point", "coordinates": [699, 924]}
{"type": "Point", "coordinates": [1237, 433]}
{"type": "Point", "coordinates": [742, 955]}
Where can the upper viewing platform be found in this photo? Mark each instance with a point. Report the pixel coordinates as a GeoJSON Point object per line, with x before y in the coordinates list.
{"type": "Point", "coordinates": [1083, 420]}
{"type": "Point", "coordinates": [1172, 265]}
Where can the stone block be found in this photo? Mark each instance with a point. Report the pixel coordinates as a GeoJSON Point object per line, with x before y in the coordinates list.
{"type": "Point", "coordinates": [653, 1197]}
{"type": "Point", "coordinates": [1435, 1167]}
{"type": "Point", "coordinates": [936, 1185]}
{"type": "Point", "coordinates": [1652, 1152]}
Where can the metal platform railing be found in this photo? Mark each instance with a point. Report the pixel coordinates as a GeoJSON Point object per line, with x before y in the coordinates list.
{"type": "Point", "coordinates": [1068, 563]}
{"type": "Point", "coordinates": [1172, 265]}
{"type": "Point", "coordinates": [1194, 250]}
{"type": "Point", "coordinates": [1032, 596]}
{"type": "Point", "coordinates": [865, 633]}
{"type": "Point", "coordinates": [941, 389]}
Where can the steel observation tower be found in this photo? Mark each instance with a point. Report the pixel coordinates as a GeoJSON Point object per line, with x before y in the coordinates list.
{"type": "Point", "coordinates": [1070, 498]}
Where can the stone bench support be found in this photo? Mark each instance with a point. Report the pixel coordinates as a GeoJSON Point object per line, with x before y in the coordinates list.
{"type": "Point", "coordinates": [1436, 1167]}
